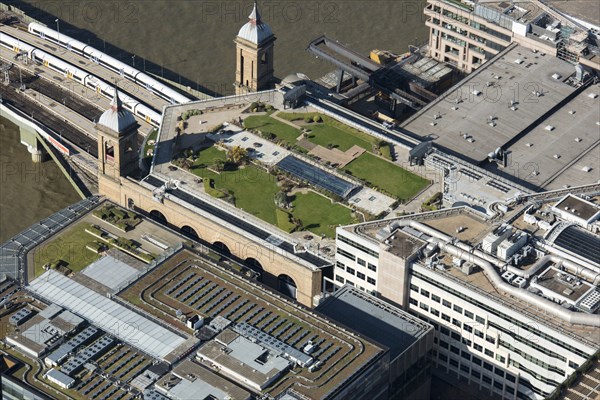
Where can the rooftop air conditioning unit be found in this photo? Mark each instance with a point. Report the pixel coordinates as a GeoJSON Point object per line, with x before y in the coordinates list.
{"type": "Point", "coordinates": [549, 128]}
{"type": "Point", "coordinates": [556, 76]}
{"type": "Point", "coordinates": [518, 61]}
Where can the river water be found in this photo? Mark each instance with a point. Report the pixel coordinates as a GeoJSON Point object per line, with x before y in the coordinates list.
{"type": "Point", "coordinates": [28, 191]}
{"type": "Point", "coordinates": [194, 39]}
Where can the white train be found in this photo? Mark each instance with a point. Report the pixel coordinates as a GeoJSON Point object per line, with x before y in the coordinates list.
{"type": "Point", "coordinates": [108, 62]}
{"type": "Point", "coordinates": [70, 71]}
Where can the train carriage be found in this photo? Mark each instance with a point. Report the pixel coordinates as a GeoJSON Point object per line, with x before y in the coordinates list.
{"type": "Point", "coordinates": [71, 72]}
{"type": "Point", "coordinates": [108, 62]}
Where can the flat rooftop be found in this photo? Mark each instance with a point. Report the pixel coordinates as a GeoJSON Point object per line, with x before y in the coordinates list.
{"type": "Point", "coordinates": [189, 380]}
{"type": "Point", "coordinates": [578, 207]}
{"type": "Point", "coordinates": [241, 357]}
{"type": "Point", "coordinates": [563, 147]}
{"type": "Point", "coordinates": [580, 9]}
{"type": "Point", "coordinates": [196, 286]}
{"type": "Point", "coordinates": [375, 319]}
{"type": "Point", "coordinates": [485, 95]}
{"type": "Point", "coordinates": [552, 279]}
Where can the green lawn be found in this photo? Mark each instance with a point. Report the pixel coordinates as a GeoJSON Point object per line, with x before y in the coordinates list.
{"type": "Point", "coordinates": [208, 156]}
{"type": "Point", "coordinates": [253, 189]}
{"type": "Point", "coordinates": [69, 246]}
{"type": "Point", "coordinates": [332, 132]}
{"type": "Point", "coordinates": [387, 176]}
{"type": "Point", "coordinates": [324, 134]}
{"type": "Point", "coordinates": [319, 215]}
{"type": "Point", "coordinates": [267, 124]}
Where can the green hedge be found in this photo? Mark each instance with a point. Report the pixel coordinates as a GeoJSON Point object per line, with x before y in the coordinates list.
{"type": "Point", "coordinates": [208, 183]}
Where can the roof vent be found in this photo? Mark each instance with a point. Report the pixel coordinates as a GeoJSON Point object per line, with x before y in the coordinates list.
{"type": "Point", "coordinates": [572, 112]}
{"type": "Point", "coordinates": [518, 61]}
{"type": "Point", "coordinates": [476, 92]}
{"type": "Point", "coordinates": [586, 169]}
{"type": "Point", "coordinates": [578, 139]}
{"type": "Point", "coordinates": [592, 95]}
{"type": "Point", "coordinates": [556, 76]}
{"type": "Point", "coordinates": [557, 156]}
{"type": "Point", "coordinates": [528, 144]}
{"type": "Point", "coordinates": [549, 128]}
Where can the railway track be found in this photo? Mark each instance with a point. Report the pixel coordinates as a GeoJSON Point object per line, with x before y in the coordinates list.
{"type": "Point", "coordinates": [80, 141]}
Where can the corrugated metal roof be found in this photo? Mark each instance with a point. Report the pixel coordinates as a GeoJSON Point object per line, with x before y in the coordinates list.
{"type": "Point", "coordinates": [108, 315]}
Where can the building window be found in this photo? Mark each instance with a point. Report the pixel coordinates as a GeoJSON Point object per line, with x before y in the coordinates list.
{"type": "Point", "coordinates": [445, 317]}
{"type": "Point", "coordinates": [468, 328]}
{"type": "Point", "coordinates": [456, 322]}
{"type": "Point", "coordinates": [443, 357]}
{"type": "Point", "coordinates": [487, 379]}
{"type": "Point", "coordinates": [346, 254]}
{"type": "Point", "coordinates": [435, 312]}
{"type": "Point", "coordinates": [350, 283]}
{"type": "Point", "coordinates": [455, 336]}
{"type": "Point", "coordinates": [490, 339]}
{"type": "Point", "coordinates": [458, 309]}
{"type": "Point", "coordinates": [340, 265]}
{"type": "Point", "coordinates": [413, 302]}
{"type": "Point", "coordinates": [371, 281]}
{"type": "Point", "coordinates": [476, 360]}
{"type": "Point", "coordinates": [372, 267]}
{"type": "Point", "coordinates": [478, 333]}
{"type": "Point", "coordinates": [360, 275]}
{"type": "Point", "coordinates": [339, 279]}
{"type": "Point", "coordinates": [445, 331]}
{"type": "Point", "coordinates": [465, 354]}
{"type": "Point", "coordinates": [468, 314]}
{"type": "Point", "coordinates": [465, 368]}
{"type": "Point", "coordinates": [488, 366]}
{"type": "Point", "coordinates": [453, 362]}
{"type": "Point", "coordinates": [350, 270]}
{"type": "Point", "coordinates": [498, 385]}
{"type": "Point", "coordinates": [511, 378]}
{"type": "Point", "coordinates": [500, 358]}
{"type": "Point", "coordinates": [435, 298]}
{"type": "Point", "coordinates": [478, 347]}
{"type": "Point", "coordinates": [573, 365]}
{"type": "Point", "coordinates": [480, 320]}
{"type": "Point", "coordinates": [414, 288]}
{"type": "Point", "coordinates": [499, 372]}
{"type": "Point", "coordinates": [510, 390]}
{"type": "Point", "coordinates": [424, 293]}
{"type": "Point", "coordinates": [424, 306]}
{"type": "Point", "coordinates": [475, 374]}
{"type": "Point", "coordinates": [467, 342]}
{"type": "Point", "coordinates": [444, 344]}
{"type": "Point", "coordinates": [446, 303]}
{"type": "Point", "coordinates": [361, 262]}
{"type": "Point", "coordinates": [489, 353]}
{"type": "Point", "coordinates": [360, 247]}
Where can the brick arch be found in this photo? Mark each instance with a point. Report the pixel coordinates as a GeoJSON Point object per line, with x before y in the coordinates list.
{"type": "Point", "coordinates": [190, 232]}
{"type": "Point", "coordinates": [158, 215]}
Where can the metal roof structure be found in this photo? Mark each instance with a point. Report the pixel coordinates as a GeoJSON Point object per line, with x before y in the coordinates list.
{"type": "Point", "coordinates": [317, 176]}
{"type": "Point", "coordinates": [580, 242]}
{"type": "Point", "coordinates": [110, 272]}
{"type": "Point", "coordinates": [108, 315]}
